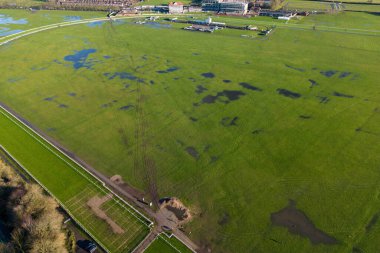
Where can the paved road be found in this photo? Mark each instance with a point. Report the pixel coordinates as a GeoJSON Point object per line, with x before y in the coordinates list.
{"type": "Point", "coordinates": [147, 241]}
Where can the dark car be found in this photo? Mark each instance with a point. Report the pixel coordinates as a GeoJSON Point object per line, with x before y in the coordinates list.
{"type": "Point", "coordinates": [87, 245]}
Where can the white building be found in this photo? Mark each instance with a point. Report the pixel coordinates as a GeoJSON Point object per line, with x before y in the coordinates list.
{"type": "Point", "coordinates": [175, 7]}
{"type": "Point", "coordinates": [229, 7]}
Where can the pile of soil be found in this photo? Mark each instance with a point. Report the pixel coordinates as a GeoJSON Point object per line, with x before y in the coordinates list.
{"type": "Point", "coordinates": [118, 180]}
{"type": "Point", "coordinates": [174, 205]}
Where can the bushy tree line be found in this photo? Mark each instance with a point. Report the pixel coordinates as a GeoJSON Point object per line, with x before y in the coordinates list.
{"type": "Point", "coordinates": [30, 217]}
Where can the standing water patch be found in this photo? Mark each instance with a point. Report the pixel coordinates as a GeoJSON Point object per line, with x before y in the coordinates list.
{"type": "Point", "coordinates": [6, 31]}
{"type": "Point", "coordinates": [168, 70]}
{"type": "Point", "coordinates": [6, 20]}
{"type": "Point", "coordinates": [95, 24]}
{"type": "Point", "coordinates": [121, 75]}
{"type": "Point", "coordinates": [79, 59]}
{"type": "Point", "coordinates": [157, 25]}
{"type": "Point", "coordinates": [249, 86]}
{"type": "Point", "coordinates": [298, 223]}
{"type": "Point", "coordinates": [72, 18]}
{"type": "Point", "coordinates": [208, 75]}
{"type": "Point", "coordinates": [288, 93]}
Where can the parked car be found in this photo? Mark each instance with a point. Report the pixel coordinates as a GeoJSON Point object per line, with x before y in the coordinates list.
{"type": "Point", "coordinates": [87, 245]}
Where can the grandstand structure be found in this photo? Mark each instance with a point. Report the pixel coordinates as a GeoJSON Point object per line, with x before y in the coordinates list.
{"type": "Point", "coordinates": [225, 6]}
{"type": "Point", "coordinates": [111, 3]}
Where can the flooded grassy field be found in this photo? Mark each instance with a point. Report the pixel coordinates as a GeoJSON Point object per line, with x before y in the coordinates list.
{"type": "Point", "coordinates": [233, 127]}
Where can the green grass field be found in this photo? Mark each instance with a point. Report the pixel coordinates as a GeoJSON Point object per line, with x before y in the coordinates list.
{"type": "Point", "coordinates": [72, 186]}
{"type": "Point", "coordinates": [233, 144]}
{"type": "Point", "coordinates": [12, 21]}
{"type": "Point", "coordinates": [311, 5]}
{"type": "Point", "coordinates": [160, 2]}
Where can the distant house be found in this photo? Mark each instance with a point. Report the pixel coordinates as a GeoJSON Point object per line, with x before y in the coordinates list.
{"type": "Point", "coordinates": [175, 7]}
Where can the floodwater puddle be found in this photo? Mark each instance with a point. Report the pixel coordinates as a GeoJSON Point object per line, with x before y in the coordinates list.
{"type": "Point", "coordinates": [208, 75]}
{"type": "Point", "coordinates": [50, 98]}
{"type": "Point", "coordinates": [231, 95]}
{"type": "Point", "coordinates": [298, 223]}
{"type": "Point", "coordinates": [288, 93]}
{"type": "Point", "coordinates": [193, 152]}
{"type": "Point", "coordinates": [295, 68]}
{"type": "Point", "coordinates": [329, 73]}
{"type": "Point", "coordinates": [344, 74]}
{"type": "Point", "coordinates": [123, 75]}
{"type": "Point", "coordinates": [226, 81]}
{"type": "Point", "coordinates": [126, 107]}
{"type": "Point", "coordinates": [249, 86]}
{"type": "Point", "coordinates": [7, 20]}
{"type": "Point", "coordinates": [15, 79]}
{"type": "Point", "coordinates": [6, 31]}
{"type": "Point", "coordinates": [95, 24]}
{"type": "Point", "coordinates": [338, 94]}
{"type": "Point", "coordinates": [312, 83]}
{"type": "Point", "coordinates": [228, 121]}
{"type": "Point", "coordinates": [71, 18]}
{"type": "Point", "coordinates": [168, 70]}
{"type": "Point", "coordinates": [157, 25]}
{"type": "Point", "coordinates": [200, 89]}
{"type": "Point", "coordinates": [79, 58]}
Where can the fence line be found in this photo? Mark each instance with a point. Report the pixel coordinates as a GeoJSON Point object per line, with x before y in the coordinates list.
{"type": "Point", "coordinates": [65, 155]}
{"type": "Point", "coordinates": [172, 234]}
{"type": "Point", "coordinates": [62, 24]}
{"type": "Point", "coordinates": [92, 182]}
{"type": "Point", "coordinates": [56, 199]}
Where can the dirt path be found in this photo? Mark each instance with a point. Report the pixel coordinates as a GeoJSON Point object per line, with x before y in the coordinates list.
{"type": "Point", "coordinates": [95, 203]}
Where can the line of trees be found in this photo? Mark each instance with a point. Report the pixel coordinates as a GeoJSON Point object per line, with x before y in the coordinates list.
{"type": "Point", "coordinates": [30, 220]}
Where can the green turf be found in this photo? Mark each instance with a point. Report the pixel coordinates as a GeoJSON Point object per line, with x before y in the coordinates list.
{"type": "Point", "coordinates": [163, 244]}
{"type": "Point", "coordinates": [161, 2]}
{"type": "Point", "coordinates": [322, 155]}
{"type": "Point", "coordinates": [72, 186]}
{"type": "Point", "coordinates": [311, 5]}
{"type": "Point", "coordinates": [24, 3]}
{"type": "Point", "coordinates": [40, 18]}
